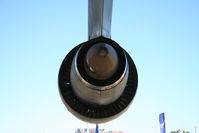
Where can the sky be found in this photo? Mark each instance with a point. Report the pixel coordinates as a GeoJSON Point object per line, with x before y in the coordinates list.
{"type": "Point", "coordinates": [162, 37]}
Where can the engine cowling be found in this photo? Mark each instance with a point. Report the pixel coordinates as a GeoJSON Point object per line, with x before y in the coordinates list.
{"type": "Point", "coordinates": [97, 80]}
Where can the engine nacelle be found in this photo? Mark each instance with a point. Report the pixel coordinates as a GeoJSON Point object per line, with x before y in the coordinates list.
{"type": "Point", "coordinates": [97, 80]}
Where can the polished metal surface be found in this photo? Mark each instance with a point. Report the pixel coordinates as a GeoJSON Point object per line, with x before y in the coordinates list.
{"type": "Point", "coordinates": [98, 95]}
{"type": "Point", "coordinates": [99, 18]}
{"type": "Point", "coordinates": [101, 61]}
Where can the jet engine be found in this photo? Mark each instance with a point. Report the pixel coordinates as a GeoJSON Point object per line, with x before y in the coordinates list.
{"type": "Point", "coordinates": [97, 79]}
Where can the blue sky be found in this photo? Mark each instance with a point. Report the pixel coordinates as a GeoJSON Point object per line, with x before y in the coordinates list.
{"type": "Point", "coordinates": [162, 36]}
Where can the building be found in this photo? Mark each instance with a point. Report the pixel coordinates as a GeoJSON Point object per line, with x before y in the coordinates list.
{"type": "Point", "coordinates": [92, 130]}
{"type": "Point", "coordinates": [180, 131]}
